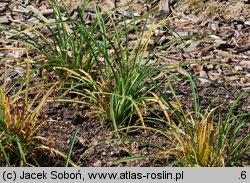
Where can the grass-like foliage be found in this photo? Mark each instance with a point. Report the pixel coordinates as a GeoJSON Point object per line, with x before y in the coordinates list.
{"type": "Point", "coordinates": [201, 137]}
{"type": "Point", "coordinates": [205, 137]}
{"type": "Point", "coordinates": [64, 47]}
{"type": "Point", "coordinates": [113, 75]}
{"type": "Point", "coordinates": [18, 126]}
{"type": "Point", "coordinates": [116, 90]}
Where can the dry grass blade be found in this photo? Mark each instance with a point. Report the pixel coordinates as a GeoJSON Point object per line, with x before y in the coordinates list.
{"type": "Point", "coordinates": [18, 124]}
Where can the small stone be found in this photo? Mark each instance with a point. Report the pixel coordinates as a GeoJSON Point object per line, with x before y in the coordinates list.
{"type": "Point", "coordinates": [4, 20]}
{"type": "Point", "coordinates": [203, 76]}
{"type": "Point", "coordinates": [163, 40]}
{"type": "Point", "coordinates": [247, 22]}
{"type": "Point", "coordinates": [180, 34]}
{"type": "Point", "coordinates": [245, 63]}
{"type": "Point", "coordinates": [98, 163]}
{"type": "Point", "coordinates": [247, 1]}
{"type": "Point", "coordinates": [136, 14]}
{"type": "Point", "coordinates": [210, 66]}
{"type": "Point", "coordinates": [233, 78]}
{"type": "Point", "coordinates": [214, 27]}
{"type": "Point", "coordinates": [238, 68]}
{"type": "Point", "coordinates": [194, 44]}
{"type": "Point", "coordinates": [239, 27]}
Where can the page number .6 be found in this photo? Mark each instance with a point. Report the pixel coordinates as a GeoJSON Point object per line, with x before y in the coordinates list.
{"type": "Point", "coordinates": [243, 175]}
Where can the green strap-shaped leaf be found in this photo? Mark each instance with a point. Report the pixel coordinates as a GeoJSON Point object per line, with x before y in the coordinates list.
{"type": "Point", "coordinates": [3, 125]}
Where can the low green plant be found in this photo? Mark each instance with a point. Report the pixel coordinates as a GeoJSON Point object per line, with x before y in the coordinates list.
{"type": "Point", "coordinates": [201, 137]}
{"type": "Point", "coordinates": [59, 43]}
{"type": "Point", "coordinates": [206, 138]}
{"type": "Point", "coordinates": [18, 126]}
{"type": "Point", "coordinates": [117, 90]}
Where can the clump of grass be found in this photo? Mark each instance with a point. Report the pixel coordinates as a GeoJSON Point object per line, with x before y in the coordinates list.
{"type": "Point", "coordinates": [206, 138]}
{"type": "Point", "coordinates": [18, 126]}
{"type": "Point", "coordinates": [108, 74]}
{"type": "Point", "coordinates": [117, 89]}
{"type": "Point", "coordinates": [60, 43]}
{"type": "Point", "coordinates": [199, 138]}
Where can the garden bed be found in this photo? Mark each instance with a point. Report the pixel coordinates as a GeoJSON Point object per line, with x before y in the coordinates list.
{"type": "Point", "coordinates": [194, 54]}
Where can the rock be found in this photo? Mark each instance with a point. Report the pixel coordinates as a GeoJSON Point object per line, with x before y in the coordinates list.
{"type": "Point", "coordinates": [214, 27]}
{"type": "Point", "coordinates": [233, 78]}
{"type": "Point", "coordinates": [210, 66]}
{"type": "Point", "coordinates": [203, 76]}
{"type": "Point", "coordinates": [195, 44]}
{"type": "Point", "coordinates": [247, 1]}
{"type": "Point", "coordinates": [164, 9]}
{"type": "Point", "coordinates": [245, 63]}
{"type": "Point", "coordinates": [4, 20]}
{"type": "Point", "coordinates": [98, 163]}
{"type": "Point", "coordinates": [3, 7]}
{"type": "Point", "coordinates": [247, 22]}
{"type": "Point", "coordinates": [238, 68]}
{"type": "Point", "coordinates": [239, 27]}
{"type": "Point", "coordinates": [180, 34]}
